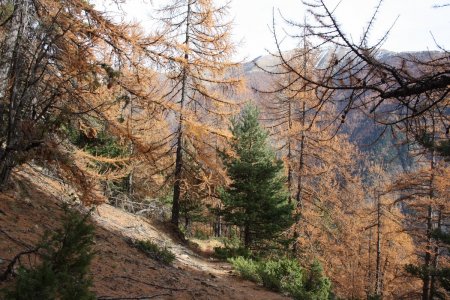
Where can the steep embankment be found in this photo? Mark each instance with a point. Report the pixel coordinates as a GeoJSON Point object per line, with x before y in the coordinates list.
{"type": "Point", "coordinates": [119, 270]}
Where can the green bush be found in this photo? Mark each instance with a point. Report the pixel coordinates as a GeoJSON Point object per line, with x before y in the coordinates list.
{"type": "Point", "coordinates": [287, 276]}
{"type": "Point", "coordinates": [225, 253]}
{"type": "Point", "coordinates": [316, 286]}
{"type": "Point", "coordinates": [282, 275]}
{"type": "Point", "coordinates": [152, 250]}
{"type": "Point", "coordinates": [103, 144]}
{"type": "Point", "coordinates": [232, 248]}
{"type": "Point", "coordinates": [247, 268]}
{"type": "Point", "coordinates": [107, 145]}
{"type": "Point", "coordinates": [200, 235]}
{"type": "Point", "coordinates": [65, 259]}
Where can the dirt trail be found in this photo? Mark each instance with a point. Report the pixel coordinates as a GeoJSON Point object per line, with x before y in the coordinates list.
{"type": "Point", "coordinates": [127, 224]}
{"type": "Point", "coordinates": [119, 271]}
{"type": "Point", "coordinates": [140, 228]}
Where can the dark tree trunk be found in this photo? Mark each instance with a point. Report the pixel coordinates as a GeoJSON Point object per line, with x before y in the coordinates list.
{"type": "Point", "coordinates": [299, 194]}
{"type": "Point", "coordinates": [187, 225]}
{"type": "Point", "coordinates": [426, 277]}
{"type": "Point", "coordinates": [247, 237]}
{"type": "Point", "coordinates": [378, 266]}
{"type": "Point", "coordinates": [369, 271]}
{"type": "Point", "coordinates": [218, 227]}
{"type": "Point", "coordinates": [6, 166]}
{"type": "Point", "coordinates": [11, 66]}
{"type": "Point", "coordinates": [435, 258]}
{"type": "Point", "coordinates": [177, 183]}
{"type": "Point", "coordinates": [179, 154]}
{"type": "Point", "coordinates": [289, 157]}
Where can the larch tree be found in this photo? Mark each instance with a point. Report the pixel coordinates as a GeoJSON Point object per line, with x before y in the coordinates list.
{"type": "Point", "coordinates": [389, 247]}
{"type": "Point", "coordinates": [396, 94]}
{"type": "Point", "coordinates": [339, 227]}
{"type": "Point", "coordinates": [289, 112]}
{"type": "Point", "coordinates": [329, 224]}
{"type": "Point", "coordinates": [424, 193]}
{"type": "Point", "coordinates": [58, 59]}
{"type": "Point", "coordinates": [296, 118]}
{"type": "Point", "coordinates": [197, 55]}
{"type": "Point", "coordinates": [138, 125]}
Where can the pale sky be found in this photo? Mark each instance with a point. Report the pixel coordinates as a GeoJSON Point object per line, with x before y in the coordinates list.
{"type": "Point", "coordinates": [417, 21]}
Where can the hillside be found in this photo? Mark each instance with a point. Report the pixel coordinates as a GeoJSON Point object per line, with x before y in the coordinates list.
{"type": "Point", "coordinates": [119, 270]}
{"type": "Point", "coordinates": [147, 163]}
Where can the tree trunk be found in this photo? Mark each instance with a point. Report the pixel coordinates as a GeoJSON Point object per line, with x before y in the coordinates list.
{"type": "Point", "coordinates": [435, 258]}
{"type": "Point", "coordinates": [426, 276]}
{"type": "Point", "coordinates": [187, 225]}
{"type": "Point", "coordinates": [131, 149]}
{"type": "Point", "coordinates": [6, 166]}
{"type": "Point", "coordinates": [177, 183]}
{"type": "Point", "coordinates": [426, 288]}
{"type": "Point", "coordinates": [301, 162]}
{"type": "Point", "coordinates": [299, 194]}
{"type": "Point", "coordinates": [247, 237]}
{"type": "Point", "coordinates": [218, 232]}
{"type": "Point", "coordinates": [289, 157]}
{"type": "Point", "coordinates": [179, 153]}
{"type": "Point", "coordinates": [378, 266]}
{"type": "Point", "coordinates": [16, 31]}
{"type": "Point", "coordinates": [369, 268]}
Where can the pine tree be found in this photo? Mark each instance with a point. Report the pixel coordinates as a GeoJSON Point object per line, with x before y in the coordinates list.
{"type": "Point", "coordinates": [66, 256]}
{"type": "Point", "coordinates": [316, 285]}
{"type": "Point", "coordinates": [256, 200]}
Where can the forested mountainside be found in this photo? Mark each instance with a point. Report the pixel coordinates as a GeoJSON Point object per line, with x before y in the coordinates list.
{"type": "Point", "coordinates": [369, 136]}
{"type": "Point", "coordinates": [146, 163]}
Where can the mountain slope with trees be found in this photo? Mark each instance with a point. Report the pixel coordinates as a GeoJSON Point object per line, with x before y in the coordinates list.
{"type": "Point", "coordinates": [334, 185]}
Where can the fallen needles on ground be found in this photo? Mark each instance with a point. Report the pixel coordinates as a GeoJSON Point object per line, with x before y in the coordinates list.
{"type": "Point", "coordinates": [133, 298]}
{"type": "Point", "coordinates": [146, 283]}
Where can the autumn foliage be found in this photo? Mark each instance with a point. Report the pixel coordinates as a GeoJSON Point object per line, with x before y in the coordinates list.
{"type": "Point", "coordinates": [144, 117]}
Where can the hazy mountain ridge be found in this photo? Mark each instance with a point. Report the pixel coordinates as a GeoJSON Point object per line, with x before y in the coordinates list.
{"type": "Point", "coordinates": [270, 61]}
{"type": "Point", "coordinates": [361, 131]}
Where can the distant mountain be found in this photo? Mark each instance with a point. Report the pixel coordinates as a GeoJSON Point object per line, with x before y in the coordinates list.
{"type": "Point", "coordinates": [361, 130]}
{"type": "Point", "coordinates": [270, 62]}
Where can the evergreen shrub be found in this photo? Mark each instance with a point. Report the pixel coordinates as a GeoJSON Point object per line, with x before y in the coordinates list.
{"type": "Point", "coordinates": [286, 276]}
{"type": "Point", "coordinates": [247, 268]}
{"type": "Point", "coordinates": [153, 251]}
{"type": "Point", "coordinates": [62, 273]}
{"type": "Point", "coordinates": [225, 253]}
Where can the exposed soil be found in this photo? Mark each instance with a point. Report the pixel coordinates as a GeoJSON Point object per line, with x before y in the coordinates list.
{"type": "Point", "coordinates": [119, 270]}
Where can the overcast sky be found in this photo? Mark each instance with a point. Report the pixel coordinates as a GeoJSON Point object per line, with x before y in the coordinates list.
{"type": "Point", "coordinates": [417, 21]}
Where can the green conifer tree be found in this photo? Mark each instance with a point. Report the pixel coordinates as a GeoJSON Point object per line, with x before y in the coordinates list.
{"type": "Point", "coordinates": [256, 200]}
{"type": "Point", "coordinates": [316, 285]}
{"type": "Point", "coordinates": [66, 255]}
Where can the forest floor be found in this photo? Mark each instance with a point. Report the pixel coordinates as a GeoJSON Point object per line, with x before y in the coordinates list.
{"type": "Point", "coordinates": [119, 270]}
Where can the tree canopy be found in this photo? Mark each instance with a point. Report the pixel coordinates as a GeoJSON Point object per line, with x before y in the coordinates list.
{"type": "Point", "coordinates": [256, 199]}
